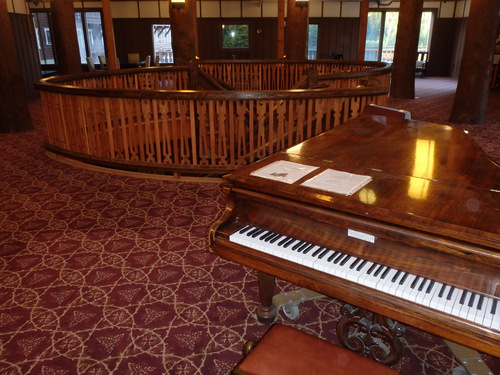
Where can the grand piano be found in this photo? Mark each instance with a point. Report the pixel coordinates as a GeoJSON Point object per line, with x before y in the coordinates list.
{"type": "Point", "coordinates": [418, 244]}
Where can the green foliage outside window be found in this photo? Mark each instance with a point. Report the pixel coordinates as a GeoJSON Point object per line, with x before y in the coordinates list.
{"type": "Point", "coordinates": [235, 36]}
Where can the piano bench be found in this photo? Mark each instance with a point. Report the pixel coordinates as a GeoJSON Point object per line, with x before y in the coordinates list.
{"type": "Point", "coordinates": [285, 350]}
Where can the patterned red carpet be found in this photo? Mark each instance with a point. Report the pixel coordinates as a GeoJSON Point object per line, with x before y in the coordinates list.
{"type": "Point", "coordinates": [105, 274]}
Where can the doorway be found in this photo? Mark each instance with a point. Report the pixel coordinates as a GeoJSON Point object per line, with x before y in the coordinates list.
{"type": "Point", "coordinates": [381, 35]}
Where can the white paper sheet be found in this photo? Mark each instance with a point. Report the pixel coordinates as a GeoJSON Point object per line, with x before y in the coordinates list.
{"type": "Point", "coordinates": [284, 171]}
{"type": "Point", "coordinates": [338, 182]}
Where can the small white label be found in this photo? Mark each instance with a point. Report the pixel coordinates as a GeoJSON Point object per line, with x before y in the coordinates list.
{"type": "Point", "coordinates": [361, 236]}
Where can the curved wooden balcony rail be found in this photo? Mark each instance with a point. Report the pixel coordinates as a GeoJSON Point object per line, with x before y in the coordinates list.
{"type": "Point", "coordinates": [204, 119]}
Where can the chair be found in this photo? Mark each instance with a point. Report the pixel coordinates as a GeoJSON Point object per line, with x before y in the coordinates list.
{"type": "Point", "coordinates": [378, 110]}
{"type": "Point", "coordinates": [90, 64]}
{"type": "Point", "coordinates": [287, 351]}
{"type": "Point", "coordinates": [102, 62]}
{"type": "Point", "coordinates": [421, 63]}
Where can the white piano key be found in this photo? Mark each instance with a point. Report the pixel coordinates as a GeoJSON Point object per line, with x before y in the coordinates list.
{"type": "Point", "coordinates": [465, 304]}
{"type": "Point", "coordinates": [386, 284]}
{"type": "Point", "coordinates": [434, 298]}
{"type": "Point", "coordinates": [404, 287]}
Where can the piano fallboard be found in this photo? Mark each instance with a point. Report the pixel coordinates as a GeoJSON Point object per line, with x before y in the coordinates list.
{"type": "Point", "coordinates": [432, 214]}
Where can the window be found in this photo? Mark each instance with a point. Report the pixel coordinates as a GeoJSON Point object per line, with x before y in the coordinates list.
{"type": "Point", "coordinates": [312, 42]}
{"type": "Point", "coordinates": [162, 44]}
{"type": "Point", "coordinates": [43, 38]}
{"type": "Point", "coordinates": [48, 38]}
{"type": "Point", "coordinates": [381, 35]}
{"type": "Point", "coordinates": [90, 35]}
{"type": "Point", "coordinates": [235, 36]}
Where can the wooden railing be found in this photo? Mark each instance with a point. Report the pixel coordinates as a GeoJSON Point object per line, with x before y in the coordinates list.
{"type": "Point", "coordinates": [196, 120]}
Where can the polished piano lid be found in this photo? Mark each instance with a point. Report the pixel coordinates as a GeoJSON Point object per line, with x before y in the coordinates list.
{"type": "Point", "coordinates": [433, 178]}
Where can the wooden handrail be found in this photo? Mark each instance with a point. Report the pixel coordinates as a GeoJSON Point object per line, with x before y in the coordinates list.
{"type": "Point", "coordinates": [149, 119]}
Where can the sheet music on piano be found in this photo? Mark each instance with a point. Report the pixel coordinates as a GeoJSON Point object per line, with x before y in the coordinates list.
{"type": "Point", "coordinates": [330, 180]}
{"type": "Point", "coordinates": [284, 171]}
{"type": "Point", "coordinates": [338, 182]}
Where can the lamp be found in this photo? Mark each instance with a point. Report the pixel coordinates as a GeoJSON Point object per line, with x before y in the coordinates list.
{"type": "Point", "coordinates": [301, 3]}
{"type": "Point", "coordinates": [178, 4]}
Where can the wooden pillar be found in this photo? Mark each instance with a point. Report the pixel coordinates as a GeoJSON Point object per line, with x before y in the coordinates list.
{"type": "Point", "coordinates": [184, 27]}
{"type": "Point", "coordinates": [296, 31]}
{"type": "Point", "coordinates": [406, 49]}
{"type": "Point", "coordinates": [363, 26]}
{"type": "Point", "coordinates": [109, 35]}
{"type": "Point", "coordinates": [66, 41]}
{"type": "Point", "coordinates": [14, 111]}
{"type": "Point", "coordinates": [281, 29]}
{"type": "Point", "coordinates": [471, 97]}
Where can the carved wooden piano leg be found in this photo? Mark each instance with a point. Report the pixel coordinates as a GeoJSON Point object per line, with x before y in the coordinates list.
{"type": "Point", "coordinates": [266, 312]}
{"type": "Point", "coordinates": [378, 338]}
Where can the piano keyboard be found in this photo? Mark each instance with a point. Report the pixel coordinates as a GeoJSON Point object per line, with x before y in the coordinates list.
{"type": "Point", "coordinates": [462, 303]}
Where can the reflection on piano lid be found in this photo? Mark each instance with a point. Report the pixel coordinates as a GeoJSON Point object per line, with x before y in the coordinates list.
{"type": "Point", "coordinates": [427, 220]}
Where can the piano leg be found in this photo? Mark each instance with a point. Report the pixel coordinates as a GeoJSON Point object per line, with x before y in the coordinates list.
{"type": "Point", "coordinates": [266, 312]}
{"type": "Point", "coordinates": [370, 335]}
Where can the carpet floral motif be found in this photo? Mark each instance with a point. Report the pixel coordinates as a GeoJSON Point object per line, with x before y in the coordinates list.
{"type": "Point", "coordinates": [106, 274]}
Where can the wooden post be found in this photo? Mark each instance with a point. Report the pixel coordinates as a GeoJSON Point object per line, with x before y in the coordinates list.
{"type": "Point", "coordinates": [281, 29]}
{"type": "Point", "coordinates": [406, 49]}
{"type": "Point", "coordinates": [184, 25]}
{"type": "Point", "coordinates": [296, 31]}
{"type": "Point", "coordinates": [66, 41]}
{"type": "Point", "coordinates": [471, 97]}
{"type": "Point", "coordinates": [109, 35]}
{"type": "Point", "coordinates": [363, 26]}
{"type": "Point", "coordinates": [14, 111]}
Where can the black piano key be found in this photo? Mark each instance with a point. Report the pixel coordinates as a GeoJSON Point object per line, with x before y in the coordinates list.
{"type": "Point", "coordinates": [337, 259]}
{"type": "Point", "coordinates": [353, 264]}
{"type": "Point", "coordinates": [441, 291]}
{"type": "Point", "coordinates": [471, 299]}
{"type": "Point", "coordinates": [266, 235]}
{"type": "Point", "coordinates": [379, 269]}
{"type": "Point", "coordinates": [333, 256]}
{"type": "Point", "coordinates": [480, 302]}
{"type": "Point", "coordinates": [308, 248]}
{"type": "Point", "coordinates": [344, 261]}
{"type": "Point", "coordinates": [284, 240]}
{"type": "Point", "coordinates": [463, 296]}
{"type": "Point", "coordinates": [302, 247]}
{"type": "Point", "coordinates": [372, 267]}
{"type": "Point", "coordinates": [450, 293]}
{"type": "Point", "coordinates": [396, 276]}
{"type": "Point", "coordinates": [415, 282]}
{"type": "Point", "coordinates": [494, 307]}
{"type": "Point", "coordinates": [360, 267]}
{"type": "Point", "coordinates": [275, 238]}
{"type": "Point", "coordinates": [289, 242]}
{"type": "Point", "coordinates": [403, 279]}
{"type": "Point", "coordinates": [322, 255]}
{"type": "Point", "coordinates": [245, 229]}
{"type": "Point", "coordinates": [422, 284]}
{"type": "Point", "coordinates": [384, 274]}
{"type": "Point", "coordinates": [256, 233]}
{"type": "Point", "coordinates": [317, 251]}
{"type": "Point", "coordinates": [297, 245]}
{"type": "Point", "coordinates": [430, 287]}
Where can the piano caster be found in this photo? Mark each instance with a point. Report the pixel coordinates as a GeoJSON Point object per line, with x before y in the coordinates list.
{"type": "Point", "coordinates": [289, 302]}
{"type": "Point", "coordinates": [471, 361]}
{"type": "Point", "coordinates": [378, 338]}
